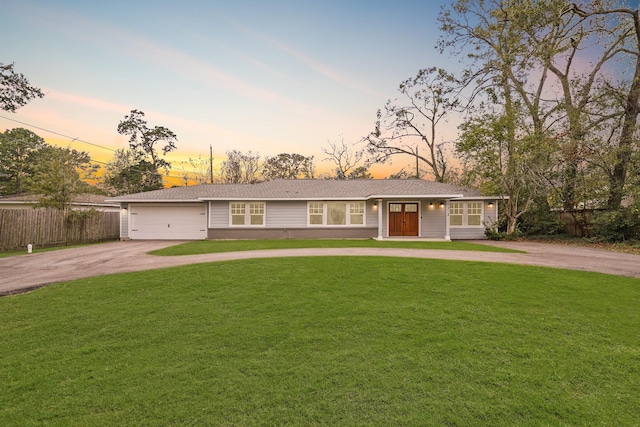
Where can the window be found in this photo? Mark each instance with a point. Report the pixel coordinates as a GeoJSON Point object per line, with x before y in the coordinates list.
{"type": "Point", "coordinates": [456, 213]}
{"type": "Point", "coordinates": [474, 213]}
{"type": "Point", "coordinates": [316, 213]}
{"type": "Point", "coordinates": [336, 214]}
{"type": "Point", "coordinates": [256, 213]}
{"type": "Point", "coordinates": [465, 214]}
{"type": "Point", "coordinates": [248, 214]}
{"type": "Point", "coordinates": [237, 213]}
{"type": "Point", "coordinates": [356, 213]}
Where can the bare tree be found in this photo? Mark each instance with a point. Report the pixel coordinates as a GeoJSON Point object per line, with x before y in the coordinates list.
{"type": "Point", "coordinates": [409, 126]}
{"type": "Point", "coordinates": [345, 159]}
{"type": "Point", "coordinates": [241, 168]}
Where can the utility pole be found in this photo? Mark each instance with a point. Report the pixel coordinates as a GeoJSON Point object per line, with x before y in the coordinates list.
{"type": "Point", "coordinates": [210, 164]}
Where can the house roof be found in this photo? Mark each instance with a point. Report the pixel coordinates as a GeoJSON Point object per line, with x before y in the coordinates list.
{"type": "Point", "coordinates": [301, 189]}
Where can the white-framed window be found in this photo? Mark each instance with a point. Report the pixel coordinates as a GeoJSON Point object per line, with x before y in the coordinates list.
{"type": "Point", "coordinates": [247, 214]}
{"type": "Point", "coordinates": [237, 213]}
{"type": "Point", "coordinates": [256, 213]}
{"type": "Point", "coordinates": [456, 214]}
{"type": "Point", "coordinates": [356, 213]}
{"type": "Point", "coordinates": [316, 213]}
{"type": "Point", "coordinates": [474, 214]}
{"type": "Point", "coordinates": [465, 214]}
{"type": "Point", "coordinates": [336, 213]}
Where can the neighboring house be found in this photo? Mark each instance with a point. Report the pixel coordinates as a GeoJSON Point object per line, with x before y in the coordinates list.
{"type": "Point", "coordinates": [80, 202]}
{"type": "Point", "coordinates": [367, 208]}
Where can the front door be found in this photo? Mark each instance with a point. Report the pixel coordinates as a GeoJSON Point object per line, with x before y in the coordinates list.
{"type": "Point", "coordinates": [403, 219]}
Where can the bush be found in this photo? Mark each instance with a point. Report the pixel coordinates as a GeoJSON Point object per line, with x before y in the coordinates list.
{"type": "Point", "coordinates": [618, 226]}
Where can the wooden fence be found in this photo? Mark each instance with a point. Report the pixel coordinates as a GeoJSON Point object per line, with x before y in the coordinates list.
{"type": "Point", "coordinates": [49, 227]}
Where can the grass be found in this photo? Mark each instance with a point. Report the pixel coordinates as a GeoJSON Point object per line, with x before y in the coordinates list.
{"type": "Point", "coordinates": [211, 246]}
{"type": "Point", "coordinates": [325, 341]}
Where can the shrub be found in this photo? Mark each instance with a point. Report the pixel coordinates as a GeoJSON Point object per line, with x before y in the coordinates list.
{"type": "Point", "coordinates": [618, 225]}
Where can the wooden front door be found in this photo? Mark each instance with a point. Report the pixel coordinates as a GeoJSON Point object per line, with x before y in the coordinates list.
{"type": "Point", "coordinates": [403, 219]}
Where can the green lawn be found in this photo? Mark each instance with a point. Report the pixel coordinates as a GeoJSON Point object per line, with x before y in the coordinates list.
{"type": "Point", "coordinates": [210, 246]}
{"type": "Point", "coordinates": [325, 341]}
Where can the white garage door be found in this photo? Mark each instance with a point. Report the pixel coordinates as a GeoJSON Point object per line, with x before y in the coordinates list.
{"type": "Point", "coordinates": [169, 222]}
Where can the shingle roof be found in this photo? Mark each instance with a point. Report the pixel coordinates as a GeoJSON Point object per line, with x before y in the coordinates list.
{"type": "Point", "coordinates": [318, 189]}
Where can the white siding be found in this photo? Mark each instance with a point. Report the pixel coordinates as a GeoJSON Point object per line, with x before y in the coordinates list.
{"type": "Point", "coordinates": [433, 222]}
{"type": "Point", "coordinates": [286, 214]}
{"type": "Point", "coordinates": [218, 214]}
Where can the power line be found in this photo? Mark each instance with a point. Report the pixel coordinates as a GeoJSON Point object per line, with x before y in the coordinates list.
{"type": "Point", "coordinates": [76, 139]}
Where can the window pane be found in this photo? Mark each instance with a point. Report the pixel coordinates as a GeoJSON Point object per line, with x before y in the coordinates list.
{"type": "Point", "coordinates": [456, 208]}
{"type": "Point", "coordinates": [411, 208]}
{"type": "Point", "coordinates": [336, 213]}
{"type": "Point", "coordinates": [315, 219]}
{"type": "Point", "coordinates": [474, 208]}
{"type": "Point", "coordinates": [455, 220]}
{"type": "Point", "coordinates": [237, 208]}
{"type": "Point", "coordinates": [395, 207]}
{"type": "Point", "coordinates": [473, 220]}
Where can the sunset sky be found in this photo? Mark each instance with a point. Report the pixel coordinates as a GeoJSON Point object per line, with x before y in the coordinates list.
{"type": "Point", "coordinates": [265, 76]}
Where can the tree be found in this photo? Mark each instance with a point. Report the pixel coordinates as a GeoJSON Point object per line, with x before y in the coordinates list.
{"type": "Point", "coordinates": [59, 176]}
{"type": "Point", "coordinates": [144, 141]}
{"type": "Point", "coordinates": [629, 28]}
{"type": "Point", "coordinates": [15, 90]}
{"type": "Point", "coordinates": [557, 60]}
{"type": "Point", "coordinates": [127, 174]}
{"type": "Point", "coordinates": [288, 166]}
{"type": "Point", "coordinates": [502, 161]}
{"type": "Point", "coordinates": [410, 124]}
{"type": "Point", "coordinates": [200, 170]}
{"type": "Point", "coordinates": [346, 160]}
{"type": "Point", "coordinates": [240, 168]}
{"type": "Point", "coordinates": [18, 152]}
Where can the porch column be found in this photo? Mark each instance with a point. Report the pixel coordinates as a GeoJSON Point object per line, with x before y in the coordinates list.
{"type": "Point", "coordinates": [447, 226]}
{"type": "Point", "coordinates": [380, 207]}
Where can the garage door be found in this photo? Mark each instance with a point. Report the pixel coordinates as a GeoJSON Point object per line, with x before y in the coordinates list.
{"type": "Point", "coordinates": [169, 222]}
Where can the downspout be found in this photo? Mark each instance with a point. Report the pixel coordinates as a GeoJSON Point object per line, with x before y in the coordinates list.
{"type": "Point", "coordinates": [379, 202]}
{"type": "Point", "coordinates": [447, 226]}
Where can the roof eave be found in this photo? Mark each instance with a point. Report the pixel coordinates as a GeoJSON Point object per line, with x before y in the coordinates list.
{"type": "Point", "coordinates": [409, 196]}
{"type": "Point", "coordinates": [156, 200]}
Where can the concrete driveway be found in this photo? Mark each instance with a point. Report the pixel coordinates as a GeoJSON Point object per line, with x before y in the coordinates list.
{"type": "Point", "coordinates": [25, 272]}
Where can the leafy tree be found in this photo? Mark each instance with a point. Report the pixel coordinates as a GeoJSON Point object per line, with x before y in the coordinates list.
{"type": "Point", "coordinates": [503, 162]}
{"type": "Point", "coordinates": [18, 154]}
{"type": "Point", "coordinates": [348, 163]}
{"type": "Point", "coordinates": [288, 166]}
{"type": "Point", "coordinates": [144, 143]}
{"type": "Point", "coordinates": [240, 168]}
{"type": "Point", "coordinates": [538, 48]}
{"type": "Point", "coordinates": [627, 29]}
{"type": "Point", "coordinates": [127, 174]}
{"type": "Point", "coordinates": [409, 126]}
{"type": "Point", "coordinates": [59, 176]}
{"type": "Point", "coordinates": [15, 90]}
